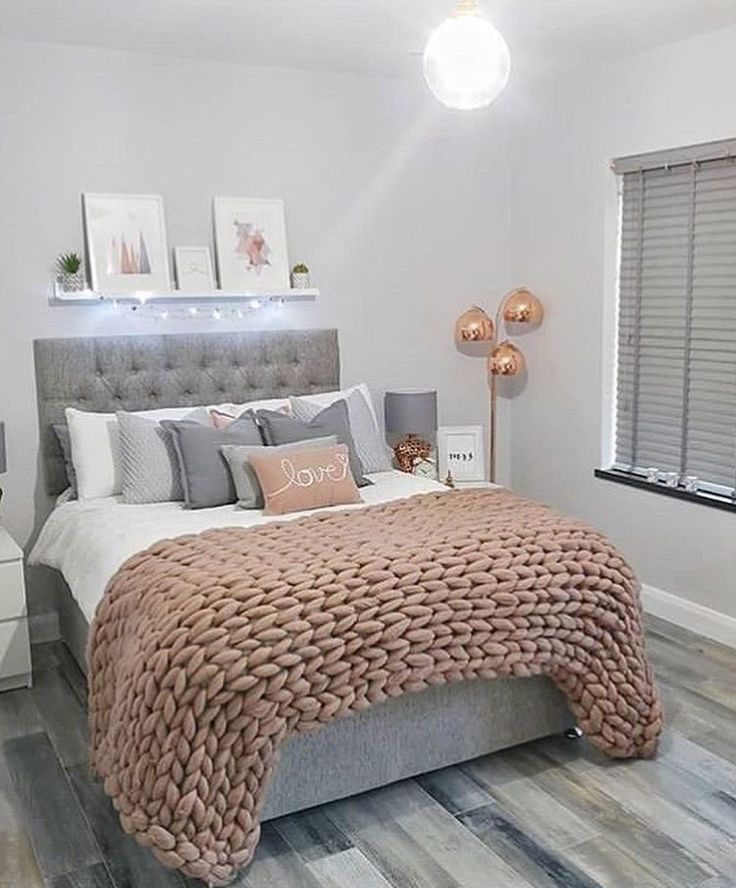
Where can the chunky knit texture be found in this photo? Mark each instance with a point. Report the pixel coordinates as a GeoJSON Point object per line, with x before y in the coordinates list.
{"type": "Point", "coordinates": [208, 650]}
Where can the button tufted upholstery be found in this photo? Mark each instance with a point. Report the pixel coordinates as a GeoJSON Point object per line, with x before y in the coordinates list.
{"type": "Point", "coordinates": [148, 372]}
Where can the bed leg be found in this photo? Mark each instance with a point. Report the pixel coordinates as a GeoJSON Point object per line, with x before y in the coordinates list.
{"type": "Point", "coordinates": [574, 733]}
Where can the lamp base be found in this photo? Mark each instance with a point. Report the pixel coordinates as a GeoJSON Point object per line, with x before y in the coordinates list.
{"type": "Point", "coordinates": [410, 451]}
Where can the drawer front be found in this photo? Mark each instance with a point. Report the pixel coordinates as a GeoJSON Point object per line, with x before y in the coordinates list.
{"type": "Point", "coordinates": [12, 590]}
{"type": "Point", "coordinates": [15, 651]}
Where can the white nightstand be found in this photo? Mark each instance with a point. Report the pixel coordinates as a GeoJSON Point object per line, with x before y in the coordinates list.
{"type": "Point", "coordinates": [465, 485]}
{"type": "Point", "coordinates": [15, 650]}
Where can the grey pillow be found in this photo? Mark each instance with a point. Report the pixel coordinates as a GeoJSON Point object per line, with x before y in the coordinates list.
{"type": "Point", "coordinates": [200, 415]}
{"type": "Point", "coordinates": [247, 488]}
{"type": "Point", "coordinates": [369, 444]}
{"type": "Point", "coordinates": [205, 476]}
{"type": "Point", "coordinates": [278, 428]}
{"type": "Point", "coordinates": [148, 462]}
{"type": "Point", "coordinates": [61, 430]}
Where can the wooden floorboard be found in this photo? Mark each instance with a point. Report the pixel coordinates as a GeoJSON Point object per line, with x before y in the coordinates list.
{"type": "Point", "coordinates": [128, 862]}
{"type": "Point", "coordinates": [552, 814]}
{"type": "Point", "coordinates": [56, 827]}
{"type": "Point", "coordinates": [96, 876]}
{"type": "Point", "coordinates": [18, 866]}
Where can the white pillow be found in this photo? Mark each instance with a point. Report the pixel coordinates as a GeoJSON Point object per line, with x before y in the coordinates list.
{"type": "Point", "coordinates": [369, 443]}
{"type": "Point", "coordinates": [95, 441]}
{"type": "Point", "coordinates": [282, 405]}
{"type": "Point", "coordinates": [95, 444]}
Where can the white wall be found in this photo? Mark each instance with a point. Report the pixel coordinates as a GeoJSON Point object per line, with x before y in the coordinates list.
{"type": "Point", "coordinates": [564, 240]}
{"type": "Point", "coordinates": [400, 208]}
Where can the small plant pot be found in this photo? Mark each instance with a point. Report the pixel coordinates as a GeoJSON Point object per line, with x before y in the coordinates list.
{"type": "Point", "coordinates": [300, 280]}
{"type": "Point", "coordinates": [72, 282]}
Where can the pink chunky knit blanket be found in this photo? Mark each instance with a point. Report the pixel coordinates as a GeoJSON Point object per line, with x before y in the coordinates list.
{"type": "Point", "coordinates": [208, 650]}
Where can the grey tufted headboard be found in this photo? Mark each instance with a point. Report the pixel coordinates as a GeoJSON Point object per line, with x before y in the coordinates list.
{"type": "Point", "coordinates": [147, 372]}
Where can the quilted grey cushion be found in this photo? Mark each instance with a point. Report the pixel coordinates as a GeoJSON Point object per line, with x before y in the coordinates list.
{"type": "Point", "coordinates": [333, 420]}
{"type": "Point", "coordinates": [250, 495]}
{"type": "Point", "coordinates": [149, 465]}
{"type": "Point", "coordinates": [369, 444]}
{"type": "Point", "coordinates": [205, 476]}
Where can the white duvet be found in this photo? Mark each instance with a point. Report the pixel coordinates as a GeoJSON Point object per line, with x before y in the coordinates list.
{"type": "Point", "coordinates": [89, 540]}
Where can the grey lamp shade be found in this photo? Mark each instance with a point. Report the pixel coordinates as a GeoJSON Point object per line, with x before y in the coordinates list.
{"type": "Point", "coordinates": [411, 413]}
{"type": "Point", "coordinates": [3, 461]}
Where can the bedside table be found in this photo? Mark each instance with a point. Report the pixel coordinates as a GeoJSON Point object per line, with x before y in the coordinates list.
{"type": "Point", "coordinates": [15, 649]}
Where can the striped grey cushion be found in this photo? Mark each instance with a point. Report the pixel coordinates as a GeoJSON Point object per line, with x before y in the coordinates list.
{"type": "Point", "coordinates": [148, 461]}
{"type": "Point", "coordinates": [369, 443]}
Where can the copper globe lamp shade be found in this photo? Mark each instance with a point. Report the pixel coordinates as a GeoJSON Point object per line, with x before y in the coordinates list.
{"type": "Point", "coordinates": [474, 325]}
{"type": "Point", "coordinates": [523, 307]}
{"type": "Point", "coordinates": [505, 359]}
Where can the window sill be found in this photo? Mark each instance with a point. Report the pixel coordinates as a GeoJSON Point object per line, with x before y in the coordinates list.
{"type": "Point", "coordinates": [725, 503]}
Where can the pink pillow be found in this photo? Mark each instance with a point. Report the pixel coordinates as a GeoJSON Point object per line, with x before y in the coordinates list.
{"type": "Point", "coordinates": [305, 479]}
{"type": "Point", "coordinates": [221, 420]}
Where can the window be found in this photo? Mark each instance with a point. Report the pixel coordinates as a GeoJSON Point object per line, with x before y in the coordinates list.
{"type": "Point", "coordinates": [676, 373]}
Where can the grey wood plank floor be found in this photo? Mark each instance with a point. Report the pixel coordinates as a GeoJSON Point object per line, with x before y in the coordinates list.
{"type": "Point", "coordinates": [551, 814]}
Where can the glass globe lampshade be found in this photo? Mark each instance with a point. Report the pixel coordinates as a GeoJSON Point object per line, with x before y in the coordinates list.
{"type": "Point", "coordinates": [466, 60]}
{"type": "Point", "coordinates": [473, 325]}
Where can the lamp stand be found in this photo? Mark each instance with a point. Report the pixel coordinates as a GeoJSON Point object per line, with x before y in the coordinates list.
{"type": "Point", "coordinates": [492, 429]}
{"type": "Point", "coordinates": [518, 306]}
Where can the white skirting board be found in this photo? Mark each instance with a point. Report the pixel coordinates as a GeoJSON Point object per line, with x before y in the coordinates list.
{"type": "Point", "coordinates": [702, 620]}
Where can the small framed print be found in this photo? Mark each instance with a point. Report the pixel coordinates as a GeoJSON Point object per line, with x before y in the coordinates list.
{"type": "Point", "coordinates": [460, 452]}
{"type": "Point", "coordinates": [194, 272]}
{"type": "Point", "coordinates": [126, 242]}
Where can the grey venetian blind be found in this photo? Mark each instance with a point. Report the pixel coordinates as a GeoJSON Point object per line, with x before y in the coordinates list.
{"type": "Point", "coordinates": [676, 401]}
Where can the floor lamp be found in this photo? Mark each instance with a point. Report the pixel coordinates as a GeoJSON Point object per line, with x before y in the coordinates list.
{"type": "Point", "coordinates": [504, 358]}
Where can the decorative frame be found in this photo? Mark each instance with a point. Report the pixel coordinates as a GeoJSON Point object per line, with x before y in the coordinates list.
{"type": "Point", "coordinates": [125, 236]}
{"type": "Point", "coordinates": [460, 452]}
{"type": "Point", "coordinates": [194, 270]}
{"type": "Point", "coordinates": [250, 242]}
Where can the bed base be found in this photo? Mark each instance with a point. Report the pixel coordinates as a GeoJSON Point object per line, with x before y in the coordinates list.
{"type": "Point", "coordinates": [400, 738]}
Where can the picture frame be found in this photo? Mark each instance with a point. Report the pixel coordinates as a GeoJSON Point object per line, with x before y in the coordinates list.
{"type": "Point", "coordinates": [194, 270]}
{"type": "Point", "coordinates": [461, 452]}
{"type": "Point", "coordinates": [125, 235]}
{"type": "Point", "coordinates": [250, 244]}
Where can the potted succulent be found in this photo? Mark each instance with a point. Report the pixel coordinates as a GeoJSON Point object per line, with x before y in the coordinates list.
{"type": "Point", "coordinates": [70, 273]}
{"type": "Point", "coordinates": [300, 277]}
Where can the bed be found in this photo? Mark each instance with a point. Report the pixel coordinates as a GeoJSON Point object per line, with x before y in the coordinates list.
{"type": "Point", "coordinates": [87, 541]}
{"type": "Point", "coordinates": [507, 588]}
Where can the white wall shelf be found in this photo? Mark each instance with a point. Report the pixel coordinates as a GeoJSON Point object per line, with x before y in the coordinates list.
{"type": "Point", "coordinates": [92, 297]}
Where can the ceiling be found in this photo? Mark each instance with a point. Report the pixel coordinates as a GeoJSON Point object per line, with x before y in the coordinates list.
{"type": "Point", "coordinates": [368, 36]}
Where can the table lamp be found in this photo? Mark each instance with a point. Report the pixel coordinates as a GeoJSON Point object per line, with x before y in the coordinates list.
{"type": "Point", "coordinates": [413, 415]}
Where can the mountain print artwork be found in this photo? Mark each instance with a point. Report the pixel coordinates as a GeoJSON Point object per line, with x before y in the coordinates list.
{"type": "Point", "coordinates": [128, 258]}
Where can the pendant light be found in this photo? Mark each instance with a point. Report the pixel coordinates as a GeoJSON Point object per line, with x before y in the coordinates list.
{"type": "Point", "coordinates": [466, 60]}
